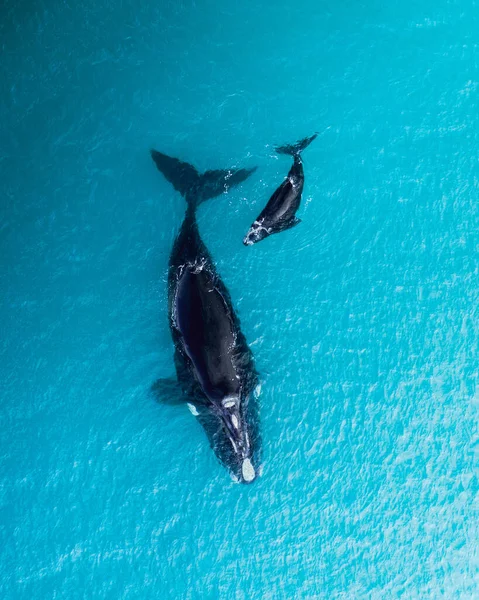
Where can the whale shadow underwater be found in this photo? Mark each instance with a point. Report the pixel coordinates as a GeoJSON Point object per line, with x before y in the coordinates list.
{"type": "Point", "coordinates": [279, 213]}
{"type": "Point", "coordinates": [216, 375]}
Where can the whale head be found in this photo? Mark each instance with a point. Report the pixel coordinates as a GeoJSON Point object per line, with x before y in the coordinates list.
{"type": "Point", "coordinates": [255, 234]}
{"type": "Point", "coordinates": [237, 437]}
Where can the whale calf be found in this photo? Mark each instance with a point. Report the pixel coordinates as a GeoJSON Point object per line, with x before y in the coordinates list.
{"type": "Point", "coordinates": [280, 212]}
{"type": "Point", "coordinates": [214, 365]}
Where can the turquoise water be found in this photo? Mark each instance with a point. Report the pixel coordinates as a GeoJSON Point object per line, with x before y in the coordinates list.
{"type": "Point", "coordinates": [363, 319]}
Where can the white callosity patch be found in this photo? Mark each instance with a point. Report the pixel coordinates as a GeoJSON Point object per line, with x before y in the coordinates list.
{"type": "Point", "coordinates": [229, 401]}
{"type": "Point", "coordinates": [198, 266]}
{"type": "Point", "coordinates": [254, 231]}
{"type": "Point", "coordinates": [234, 420]}
{"type": "Point", "coordinates": [247, 470]}
{"type": "Point", "coordinates": [193, 409]}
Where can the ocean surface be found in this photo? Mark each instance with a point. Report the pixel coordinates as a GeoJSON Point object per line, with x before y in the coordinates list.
{"type": "Point", "coordinates": [363, 320]}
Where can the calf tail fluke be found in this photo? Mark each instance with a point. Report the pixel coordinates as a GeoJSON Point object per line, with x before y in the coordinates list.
{"type": "Point", "coordinates": [296, 149]}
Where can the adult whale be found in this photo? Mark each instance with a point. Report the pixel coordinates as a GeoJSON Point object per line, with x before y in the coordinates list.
{"type": "Point", "coordinates": [279, 213]}
{"type": "Point", "coordinates": [214, 364]}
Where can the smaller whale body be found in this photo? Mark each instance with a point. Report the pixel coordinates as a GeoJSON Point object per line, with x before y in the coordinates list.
{"type": "Point", "coordinates": [280, 212]}
{"type": "Point", "coordinates": [214, 365]}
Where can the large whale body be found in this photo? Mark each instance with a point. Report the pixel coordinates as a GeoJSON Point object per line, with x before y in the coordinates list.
{"type": "Point", "coordinates": [214, 365]}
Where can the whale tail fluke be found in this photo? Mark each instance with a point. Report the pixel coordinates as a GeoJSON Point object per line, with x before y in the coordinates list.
{"type": "Point", "coordinates": [196, 187]}
{"type": "Point", "coordinates": [296, 149]}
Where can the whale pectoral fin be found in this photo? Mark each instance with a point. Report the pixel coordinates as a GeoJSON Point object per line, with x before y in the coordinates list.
{"type": "Point", "coordinates": [289, 224]}
{"type": "Point", "coordinates": [167, 391]}
{"type": "Point", "coordinates": [295, 221]}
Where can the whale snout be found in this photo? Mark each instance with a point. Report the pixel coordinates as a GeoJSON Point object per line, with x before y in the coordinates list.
{"type": "Point", "coordinates": [236, 427]}
{"type": "Point", "coordinates": [248, 471]}
{"type": "Point", "coordinates": [253, 235]}
{"type": "Point", "coordinates": [256, 233]}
